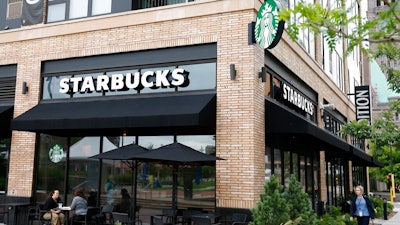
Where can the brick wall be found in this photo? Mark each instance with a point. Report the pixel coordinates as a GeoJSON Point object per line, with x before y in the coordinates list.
{"type": "Point", "coordinates": [240, 135]}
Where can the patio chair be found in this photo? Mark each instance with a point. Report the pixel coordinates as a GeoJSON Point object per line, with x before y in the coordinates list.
{"type": "Point", "coordinates": [121, 217]}
{"type": "Point", "coordinates": [187, 215]}
{"type": "Point", "coordinates": [42, 211]}
{"type": "Point", "coordinates": [169, 215]}
{"type": "Point", "coordinates": [236, 219]}
{"type": "Point", "coordinates": [203, 221]}
{"type": "Point", "coordinates": [89, 218]}
{"type": "Point", "coordinates": [33, 215]}
{"type": "Point", "coordinates": [157, 220]}
{"type": "Point", "coordinates": [105, 212]}
{"type": "Point", "coordinates": [4, 215]}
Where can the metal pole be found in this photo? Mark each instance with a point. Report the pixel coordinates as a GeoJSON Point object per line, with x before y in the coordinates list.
{"type": "Point", "coordinates": [392, 189]}
{"type": "Point", "coordinates": [174, 192]}
{"type": "Point", "coordinates": [385, 216]}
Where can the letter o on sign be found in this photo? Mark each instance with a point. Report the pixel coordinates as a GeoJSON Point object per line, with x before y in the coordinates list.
{"type": "Point", "coordinates": [31, 2]}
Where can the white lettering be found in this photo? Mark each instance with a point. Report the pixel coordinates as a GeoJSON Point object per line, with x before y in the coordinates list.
{"type": "Point", "coordinates": [75, 81]}
{"type": "Point", "coordinates": [162, 80]}
{"type": "Point", "coordinates": [297, 99]}
{"type": "Point", "coordinates": [64, 86]}
{"type": "Point", "coordinates": [178, 76]}
{"type": "Point", "coordinates": [117, 82]}
{"type": "Point", "coordinates": [144, 79]}
{"type": "Point", "coordinates": [32, 2]}
{"type": "Point", "coordinates": [102, 83]}
{"type": "Point", "coordinates": [87, 84]}
{"type": "Point", "coordinates": [136, 80]}
{"type": "Point", "coordinates": [149, 79]}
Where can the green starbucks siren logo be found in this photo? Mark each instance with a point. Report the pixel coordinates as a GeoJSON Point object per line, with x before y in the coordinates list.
{"type": "Point", "coordinates": [268, 29]}
{"type": "Point", "coordinates": [56, 153]}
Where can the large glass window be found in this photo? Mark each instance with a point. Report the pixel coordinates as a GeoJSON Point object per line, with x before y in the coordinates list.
{"type": "Point", "coordinates": [65, 163]}
{"type": "Point", "coordinates": [304, 166]}
{"type": "Point", "coordinates": [52, 162]}
{"type": "Point", "coordinates": [5, 144]}
{"type": "Point", "coordinates": [199, 76]}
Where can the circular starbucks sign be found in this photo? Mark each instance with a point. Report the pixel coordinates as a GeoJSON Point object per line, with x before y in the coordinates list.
{"type": "Point", "coordinates": [268, 29]}
{"type": "Point", "coordinates": [56, 153]}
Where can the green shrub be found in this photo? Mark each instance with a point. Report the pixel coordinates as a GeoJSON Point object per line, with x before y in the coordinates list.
{"type": "Point", "coordinates": [272, 208]}
{"type": "Point", "coordinates": [299, 203]}
{"type": "Point", "coordinates": [334, 216]}
{"type": "Point", "coordinates": [378, 205]}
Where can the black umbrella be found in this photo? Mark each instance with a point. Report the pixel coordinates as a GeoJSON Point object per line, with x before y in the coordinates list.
{"type": "Point", "coordinates": [176, 154]}
{"type": "Point", "coordinates": [127, 152]}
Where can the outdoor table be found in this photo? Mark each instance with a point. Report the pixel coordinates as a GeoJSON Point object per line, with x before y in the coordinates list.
{"type": "Point", "coordinates": [151, 215]}
{"type": "Point", "coordinates": [65, 210]}
{"type": "Point", "coordinates": [211, 216]}
{"type": "Point", "coordinates": [14, 208]}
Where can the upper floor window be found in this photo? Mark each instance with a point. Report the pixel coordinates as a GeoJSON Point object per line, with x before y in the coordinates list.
{"type": "Point", "coordinates": [305, 37]}
{"type": "Point", "coordinates": [59, 10]}
{"type": "Point", "coordinates": [14, 9]}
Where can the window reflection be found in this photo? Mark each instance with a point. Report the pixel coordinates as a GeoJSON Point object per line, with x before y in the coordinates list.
{"type": "Point", "coordinates": [153, 79]}
{"type": "Point", "coordinates": [202, 76]}
{"type": "Point", "coordinates": [56, 12]}
{"type": "Point", "coordinates": [5, 144]}
{"type": "Point", "coordinates": [154, 180]}
{"type": "Point", "coordinates": [87, 92]}
{"type": "Point", "coordinates": [50, 175]}
{"type": "Point", "coordinates": [51, 88]}
{"type": "Point", "coordinates": [123, 91]}
{"type": "Point", "coordinates": [78, 8]}
{"type": "Point", "coordinates": [101, 7]}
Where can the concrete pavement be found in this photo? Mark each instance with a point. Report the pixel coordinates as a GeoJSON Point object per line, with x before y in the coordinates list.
{"type": "Point", "coordinates": [395, 220]}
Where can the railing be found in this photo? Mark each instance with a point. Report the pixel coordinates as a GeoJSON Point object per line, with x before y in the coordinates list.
{"type": "Point", "coordinates": [156, 3]}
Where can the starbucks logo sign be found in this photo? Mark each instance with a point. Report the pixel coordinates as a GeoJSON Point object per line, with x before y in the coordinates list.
{"type": "Point", "coordinates": [268, 29]}
{"type": "Point", "coordinates": [56, 153]}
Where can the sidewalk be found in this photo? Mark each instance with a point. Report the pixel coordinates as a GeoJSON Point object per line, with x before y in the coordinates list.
{"type": "Point", "coordinates": [395, 220]}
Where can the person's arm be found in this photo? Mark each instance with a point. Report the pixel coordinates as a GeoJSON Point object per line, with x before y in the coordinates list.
{"type": "Point", "coordinates": [370, 208]}
{"type": "Point", "coordinates": [73, 204]}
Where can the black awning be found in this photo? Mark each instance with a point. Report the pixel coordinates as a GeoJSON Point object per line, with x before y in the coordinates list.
{"type": "Point", "coordinates": [141, 115]}
{"type": "Point", "coordinates": [6, 115]}
{"type": "Point", "coordinates": [284, 122]}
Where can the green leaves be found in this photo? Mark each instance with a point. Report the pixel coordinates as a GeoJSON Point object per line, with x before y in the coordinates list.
{"type": "Point", "coordinates": [277, 207]}
{"type": "Point", "coordinates": [338, 22]}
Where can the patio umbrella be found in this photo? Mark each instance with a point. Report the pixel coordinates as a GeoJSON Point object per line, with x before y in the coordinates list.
{"type": "Point", "coordinates": [127, 152]}
{"type": "Point", "coordinates": [176, 154]}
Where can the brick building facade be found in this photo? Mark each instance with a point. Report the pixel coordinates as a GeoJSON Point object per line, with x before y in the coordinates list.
{"type": "Point", "coordinates": [241, 125]}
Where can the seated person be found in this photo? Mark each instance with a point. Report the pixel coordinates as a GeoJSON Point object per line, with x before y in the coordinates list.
{"type": "Point", "coordinates": [51, 204]}
{"type": "Point", "coordinates": [79, 205]}
{"type": "Point", "coordinates": [124, 206]}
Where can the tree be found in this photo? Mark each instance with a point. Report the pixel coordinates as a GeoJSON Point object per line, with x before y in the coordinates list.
{"type": "Point", "coordinates": [336, 21]}
{"type": "Point", "coordinates": [299, 203]}
{"type": "Point", "coordinates": [272, 209]}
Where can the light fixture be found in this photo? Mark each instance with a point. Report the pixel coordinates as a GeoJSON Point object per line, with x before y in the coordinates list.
{"type": "Point", "coordinates": [24, 88]}
{"type": "Point", "coordinates": [232, 71]}
{"type": "Point", "coordinates": [263, 74]}
{"type": "Point", "coordinates": [329, 106]}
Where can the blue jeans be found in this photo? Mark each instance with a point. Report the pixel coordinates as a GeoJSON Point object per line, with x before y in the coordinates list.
{"type": "Point", "coordinates": [363, 220]}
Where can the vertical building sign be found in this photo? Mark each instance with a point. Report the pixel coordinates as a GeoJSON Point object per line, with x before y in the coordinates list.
{"type": "Point", "coordinates": [363, 103]}
{"type": "Point", "coordinates": [32, 12]}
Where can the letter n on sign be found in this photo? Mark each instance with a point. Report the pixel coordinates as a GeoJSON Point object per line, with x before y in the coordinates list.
{"type": "Point", "coordinates": [363, 103]}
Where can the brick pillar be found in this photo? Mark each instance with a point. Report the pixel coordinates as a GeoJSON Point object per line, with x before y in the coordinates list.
{"type": "Point", "coordinates": [22, 152]}
{"type": "Point", "coordinates": [240, 135]}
